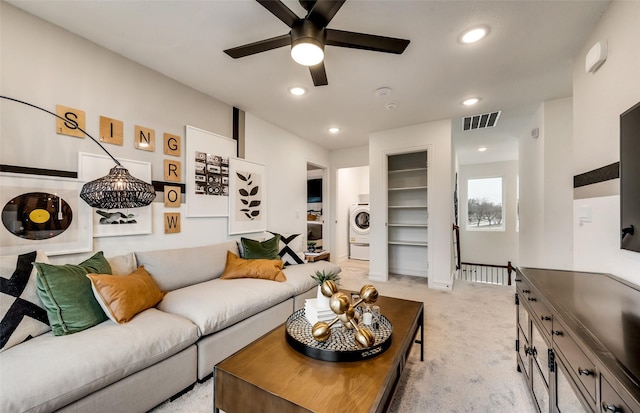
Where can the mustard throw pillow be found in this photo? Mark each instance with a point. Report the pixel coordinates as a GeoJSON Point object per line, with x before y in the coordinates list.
{"type": "Point", "coordinates": [123, 296]}
{"type": "Point", "coordinates": [259, 268]}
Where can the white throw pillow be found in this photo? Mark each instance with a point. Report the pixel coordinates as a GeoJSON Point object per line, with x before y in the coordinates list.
{"type": "Point", "coordinates": [291, 248]}
{"type": "Point", "coordinates": [21, 311]}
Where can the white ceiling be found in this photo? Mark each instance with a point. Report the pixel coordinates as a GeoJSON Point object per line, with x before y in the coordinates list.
{"type": "Point", "coordinates": [526, 59]}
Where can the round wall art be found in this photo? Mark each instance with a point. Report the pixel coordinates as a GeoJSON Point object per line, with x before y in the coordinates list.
{"type": "Point", "coordinates": [37, 215]}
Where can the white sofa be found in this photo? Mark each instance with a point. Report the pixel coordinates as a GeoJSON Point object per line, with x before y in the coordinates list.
{"type": "Point", "coordinates": [133, 367]}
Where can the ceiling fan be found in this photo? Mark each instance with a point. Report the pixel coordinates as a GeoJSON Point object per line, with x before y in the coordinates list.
{"type": "Point", "coordinates": [309, 36]}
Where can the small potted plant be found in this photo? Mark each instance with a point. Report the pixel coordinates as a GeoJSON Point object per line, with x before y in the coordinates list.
{"type": "Point", "coordinates": [320, 277]}
{"type": "Point", "coordinates": [311, 246]}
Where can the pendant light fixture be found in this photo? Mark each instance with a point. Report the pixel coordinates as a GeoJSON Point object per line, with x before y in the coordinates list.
{"type": "Point", "coordinates": [116, 190]}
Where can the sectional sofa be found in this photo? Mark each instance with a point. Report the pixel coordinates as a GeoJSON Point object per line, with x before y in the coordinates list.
{"type": "Point", "coordinates": [161, 351]}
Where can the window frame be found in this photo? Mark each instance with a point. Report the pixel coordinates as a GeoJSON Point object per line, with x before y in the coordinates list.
{"type": "Point", "coordinates": [474, 228]}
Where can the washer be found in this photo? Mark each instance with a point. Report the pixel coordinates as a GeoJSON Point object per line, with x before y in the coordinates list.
{"type": "Point", "coordinates": [359, 232]}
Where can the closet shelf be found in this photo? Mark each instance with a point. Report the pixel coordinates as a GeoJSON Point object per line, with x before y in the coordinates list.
{"type": "Point", "coordinates": [408, 188]}
{"type": "Point", "coordinates": [399, 171]}
{"type": "Point", "coordinates": [407, 207]}
{"type": "Point", "coordinates": [409, 243]}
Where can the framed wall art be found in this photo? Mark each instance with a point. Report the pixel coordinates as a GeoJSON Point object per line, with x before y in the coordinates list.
{"type": "Point", "coordinates": [207, 173]}
{"type": "Point", "coordinates": [116, 222]}
{"type": "Point", "coordinates": [43, 213]}
{"type": "Point", "coordinates": [247, 197]}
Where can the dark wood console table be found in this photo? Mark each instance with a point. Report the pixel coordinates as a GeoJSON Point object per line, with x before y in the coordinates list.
{"type": "Point", "coordinates": [578, 340]}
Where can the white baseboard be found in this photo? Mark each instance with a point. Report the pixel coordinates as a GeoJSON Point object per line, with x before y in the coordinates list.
{"type": "Point", "coordinates": [378, 277]}
{"type": "Point", "coordinates": [404, 271]}
{"type": "Point", "coordinates": [446, 285]}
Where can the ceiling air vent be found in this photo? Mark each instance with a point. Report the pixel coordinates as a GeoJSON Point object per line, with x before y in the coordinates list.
{"type": "Point", "coordinates": [487, 120]}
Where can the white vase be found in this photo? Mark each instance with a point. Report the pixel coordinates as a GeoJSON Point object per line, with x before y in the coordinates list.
{"type": "Point", "coordinates": [322, 302]}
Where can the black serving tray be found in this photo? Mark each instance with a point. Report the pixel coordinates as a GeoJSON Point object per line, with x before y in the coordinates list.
{"type": "Point", "coordinates": [341, 345]}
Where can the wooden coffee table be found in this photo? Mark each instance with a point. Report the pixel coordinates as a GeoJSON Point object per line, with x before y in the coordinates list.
{"type": "Point", "coordinates": [270, 376]}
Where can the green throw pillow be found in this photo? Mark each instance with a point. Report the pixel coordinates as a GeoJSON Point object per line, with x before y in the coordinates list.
{"type": "Point", "coordinates": [262, 250]}
{"type": "Point", "coordinates": [67, 296]}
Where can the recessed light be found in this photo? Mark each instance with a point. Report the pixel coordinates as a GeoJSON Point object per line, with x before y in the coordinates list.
{"type": "Point", "coordinates": [474, 34]}
{"type": "Point", "coordinates": [383, 91]}
{"type": "Point", "coordinates": [334, 130]}
{"type": "Point", "coordinates": [298, 91]}
{"type": "Point", "coordinates": [482, 149]}
{"type": "Point", "coordinates": [470, 101]}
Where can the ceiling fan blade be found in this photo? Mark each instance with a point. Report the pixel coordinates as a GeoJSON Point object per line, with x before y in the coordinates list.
{"type": "Point", "coordinates": [323, 11]}
{"type": "Point", "coordinates": [261, 46]}
{"type": "Point", "coordinates": [282, 12]}
{"type": "Point", "coordinates": [318, 74]}
{"type": "Point", "coordinates": [365, 41]}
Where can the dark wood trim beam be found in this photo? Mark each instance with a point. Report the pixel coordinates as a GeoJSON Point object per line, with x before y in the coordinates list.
{"type": "Point", "coordinates": [598, 175]}
{"type": "Point", "coordinates": [38, 171]}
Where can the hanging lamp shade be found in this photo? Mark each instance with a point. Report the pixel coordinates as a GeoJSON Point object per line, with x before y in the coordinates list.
{"type": "Point", "coordinates": [117, 190]}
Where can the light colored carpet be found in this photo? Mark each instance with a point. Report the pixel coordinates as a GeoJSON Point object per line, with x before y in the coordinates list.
{"type": "Point", "coordinates": [469, 346]}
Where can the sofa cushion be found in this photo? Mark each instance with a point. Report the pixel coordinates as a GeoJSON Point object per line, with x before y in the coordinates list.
{"type": "Point", "coordinates": [21, 311]}
{"type": "Point", "coordinates": [177, 268]}
{"type": "Point", "coordinates": [299, 276]}
{"type": "Point", "coordinates": [48, 372]}
{"type": "Point", "coordinates": [123, 296]}
{"type": "Point", "coordinates": [217, 304]}
{"type": "Point", "coordinates": [256, 268]}
{"type": "Point", "coordinates": [66, 294]}
{"type": "Point", "coordinates": [253, 249]}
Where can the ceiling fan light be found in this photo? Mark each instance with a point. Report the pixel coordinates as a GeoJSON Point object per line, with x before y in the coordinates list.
{"type": "Point", "coordinates": [307, 52]}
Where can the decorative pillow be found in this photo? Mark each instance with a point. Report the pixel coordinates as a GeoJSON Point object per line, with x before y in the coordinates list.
{"type": "Point", "coordinates": [260, 249]}
{"type": "Point", "coordinates": [66, 294]}
{"type": "Point", "coordinates": [21, 311]}
{"type": "Point", "coordinates": [123, 296]}
{"type": "Point", "coordinates": [290, 248]}
{"type": "Point", "coordinates": [254, 268]}
{"type": "Point", "coordinates": [123, 264]}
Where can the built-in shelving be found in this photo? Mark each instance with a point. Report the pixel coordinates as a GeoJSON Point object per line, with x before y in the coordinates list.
{"type": "Point", "coordinates": [407, 213]}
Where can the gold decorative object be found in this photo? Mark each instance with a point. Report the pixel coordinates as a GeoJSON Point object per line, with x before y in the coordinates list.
{"type": "Point", "coordinates": [340, 304]}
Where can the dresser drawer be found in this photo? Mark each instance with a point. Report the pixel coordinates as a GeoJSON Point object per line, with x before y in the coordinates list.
{"type": "Point", "coordinates": [577, 362]}
{"type": "Point", "coordinates": [611, 400]}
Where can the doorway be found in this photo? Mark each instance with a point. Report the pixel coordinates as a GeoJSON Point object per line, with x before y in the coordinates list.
{"type": "Point", "coordinates": [317, 239]}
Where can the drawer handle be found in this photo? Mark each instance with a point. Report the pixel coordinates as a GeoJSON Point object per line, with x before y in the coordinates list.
{"type": "Point", "coordinates": [584, 372]}
{"type": "Point", "coordinates": [610, 407]}
{"type": "Point", "coordinates": [526, 291]}
{"type": "Point", "coordinates": [532, 299]}
{"type": "Point", "coordinates": [527, 350]}
{"type": "Point", "coordinates": [545, 318]}
{"type": "Point", "coordinates": [518, 280]}
{"type": "Point", "coordinates": [556, 333]}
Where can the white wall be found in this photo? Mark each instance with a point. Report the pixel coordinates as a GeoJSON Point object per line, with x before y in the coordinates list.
{"type": "Point", "coordinates": [343, 158]}
{"type": "Point", "coordinates": [350, 183]}
{"type": "Point", "coordinates": [599, 99]}
{"type": "Point", "coordinates": [490, 247]}
{"type": "Point", "coordinates": [531, 172]}
{"type": "Point", "coordinates": [436, 137]}
{"type": "Point", "coordinates": [546, 181]}
{"type": "Point", "coordinates": [285, 157]}
{"type": "Point", "coordinates": [46, 65]}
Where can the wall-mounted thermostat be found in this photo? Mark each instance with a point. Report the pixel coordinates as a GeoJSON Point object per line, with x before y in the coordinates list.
{"type": "Point", "coordinates": [595, 57]}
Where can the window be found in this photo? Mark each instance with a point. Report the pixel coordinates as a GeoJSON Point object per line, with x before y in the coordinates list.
{"type": "Point", "coordinates": [484, 204]}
